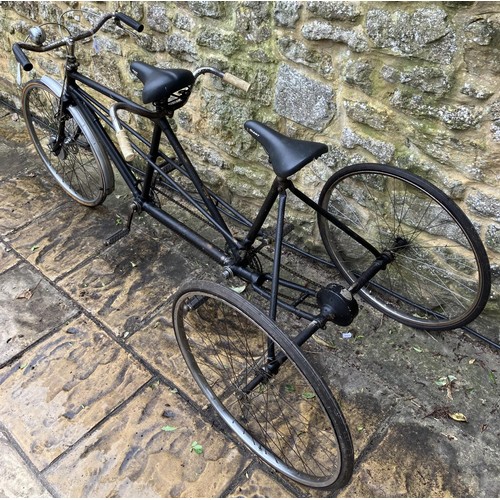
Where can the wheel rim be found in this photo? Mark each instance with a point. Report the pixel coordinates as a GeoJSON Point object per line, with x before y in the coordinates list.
{"type": "Point", "coordinates": [72, 163]}
{"type": "Point", "coordinates": [283, 421]}
{"type": "Point", "coordinates": [436, 279]}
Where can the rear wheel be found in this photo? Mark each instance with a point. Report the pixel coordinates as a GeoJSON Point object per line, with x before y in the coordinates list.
{"type": "Point", "coordinates": [287, 416]}
{"type": "Point", "coordinates": [439, 277]}
{"type": "Point", "coordinates": [75, 159]}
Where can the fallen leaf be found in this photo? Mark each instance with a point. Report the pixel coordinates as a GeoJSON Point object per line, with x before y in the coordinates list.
{"type": "Point", "coordinates": [27, 294]}
{"type": "Point", "coordinates": [308, 395]}
{"type": "Point", "coordinates": [451, 437]}
{"type": "Point", "coordinates": [197, 448]}
{"type": "Point", "coordinates": [169, 428]}
{"type": "Point", "coordinates": [444, 381]}
{"type": "Point", "coordinates": [239, 289]}
{"type": "Point", "coordinates": [458, 417]}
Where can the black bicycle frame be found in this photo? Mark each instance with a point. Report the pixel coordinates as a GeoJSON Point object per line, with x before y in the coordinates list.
{"type": "Point", "coordinates": [234, 257]}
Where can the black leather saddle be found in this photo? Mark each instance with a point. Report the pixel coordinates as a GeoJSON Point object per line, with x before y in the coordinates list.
{"type": "Point", "coordinates": [287, 155]}
{"type": "Point", "coordinates": [160, 83]}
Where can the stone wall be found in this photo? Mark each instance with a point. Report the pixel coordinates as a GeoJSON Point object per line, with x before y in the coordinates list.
{"type": "Point", "coordinates": [408, 83]}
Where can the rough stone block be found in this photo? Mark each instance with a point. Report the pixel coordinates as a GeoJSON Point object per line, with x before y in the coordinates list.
{"type": "Point", "coordinates": [383, 151]}
{"type": "Point", "coordinates": [157, 18]}
{"type": "Point", "coordinates": [181, 48]}
{"type": "Point", "coordinates": [362, 112]}
{"type": "Point", "coordinates": [341, 11]}
{"type": "Point", "coordinates": [213, 9]}
{"type": "Point", "coordinates": [322, 30]}
{"type": "Point", "coordinates": [423, 33]}
{"type": "Point", "coordinates": [359, 74]}
{"type": "Point", "coordinates": [428, 79]}
{"type": "Point", "coordinates": [225, 42]}
{"type": "Point", "coordinates": [287, 13]}
{"type": "Point", "coordinates": [493, 237]}
{"type": "Point", "coordinates": [455, 117]}
{"type": "Point", "coordinates": [303, 99]}
{"type": "Point", "coordinates": [484, 203]}
{"type": "Point", "coordinates": [253, 21]}
{"type": "Point", "coordinates": [299, 53]}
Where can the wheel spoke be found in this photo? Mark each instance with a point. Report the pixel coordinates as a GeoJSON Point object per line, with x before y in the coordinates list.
{"type": "Point", "coordinates": [283, 418]}
{"type": "Point", "coordinates": [75, 165]}
{"type": "Point", "coordinates": [439, 263]}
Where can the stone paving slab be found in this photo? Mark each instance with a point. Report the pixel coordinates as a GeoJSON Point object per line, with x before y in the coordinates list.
{"type": "Point", "coordinates": [59, 241]}
{"type": "Point", "coordinates": [30, 307]}
{"type": "Point", "coordinates": [131, 455]}
{"type": "Point", "coordinates": [258, 484]}
{"type": "Point", "coordinates": [7, 257]}
{"type": "Point", "coordinates": [73, 399]}
{"type": "Point", "coordinates": [420, 458]}
{"type": "Point", "coordinates": [17, 480]}
{"type": "Point", "coordinates": [59, 390]}
{"type": "Point", "coordinates": [156, 345]}
{"type": "Point", "coordinates": [25, 198]}
{"type": "Point", "coordinates": [129, 280]}
{"type": "Point", "coordinates": [438, 372]}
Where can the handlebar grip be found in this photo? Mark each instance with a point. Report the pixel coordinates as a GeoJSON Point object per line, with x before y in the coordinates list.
{"type": "Point", "coordinates": [236, 82]}
{"type": "Point", "coordinates": [21, 57]}
{"type": "Point", "coordinates": [124, 143]}
{"type": "Point", "coordinates": [129, 21]}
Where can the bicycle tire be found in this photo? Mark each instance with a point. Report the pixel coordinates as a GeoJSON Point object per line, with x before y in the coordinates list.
{"type": "Point", "coordinates": [291, 421]}
{"type": "Point", "coordinates": [440, 276]}
{"type": "Point", "coordinates": [79, 165]}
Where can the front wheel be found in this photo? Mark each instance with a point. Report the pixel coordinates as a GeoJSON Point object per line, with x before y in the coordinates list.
{"type": "Point", "coordinates": [439, 276]}
{"type": "Point", "coordinates": [286, 415]}
{"type": "Point", "coordinates": [67, 145]}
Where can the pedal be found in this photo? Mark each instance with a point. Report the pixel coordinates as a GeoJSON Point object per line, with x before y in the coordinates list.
{"type": "Point", "coordinates": [116, 236]}
{"type": "Point", "coordinates": [124, 231]}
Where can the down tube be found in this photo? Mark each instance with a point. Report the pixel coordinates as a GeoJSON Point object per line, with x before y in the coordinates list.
{"type": "Point", "coordinates": [208, 248]}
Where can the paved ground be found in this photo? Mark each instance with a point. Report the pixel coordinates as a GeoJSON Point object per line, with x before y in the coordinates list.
{"type": "Point", "coordinates": [90, 373]}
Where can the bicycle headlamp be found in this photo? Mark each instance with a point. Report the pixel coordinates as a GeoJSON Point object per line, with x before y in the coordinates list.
{"type": "Point", "coordinates": [37, 35]}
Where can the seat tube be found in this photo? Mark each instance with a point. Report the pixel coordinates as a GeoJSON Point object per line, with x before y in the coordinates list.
{"type": "Point", "coordinates": [153, 155]}
{"type": "Point", "coordinates": [273, 305]}
{"type": "Point", "coordinates": [277, 254]}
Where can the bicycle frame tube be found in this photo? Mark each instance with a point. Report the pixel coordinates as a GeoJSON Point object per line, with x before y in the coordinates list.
{"type": "Point", "coordinates": [94, 113]}
{"type": "Point", "coordinates": [331, 218]}
{"type": "Point", "coordinates": [235, 258]}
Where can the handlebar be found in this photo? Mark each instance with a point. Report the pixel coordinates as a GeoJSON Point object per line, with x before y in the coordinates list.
{"type": "Point", "coordinates": [124, 143]}
{"type": "Point", "coordinates": [129, 21]}
{"type": "Point", "coordinates": [22, 59]}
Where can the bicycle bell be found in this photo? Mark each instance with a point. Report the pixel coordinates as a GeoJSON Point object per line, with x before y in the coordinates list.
{"type": "Point", "coordinates": [37, 35]}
